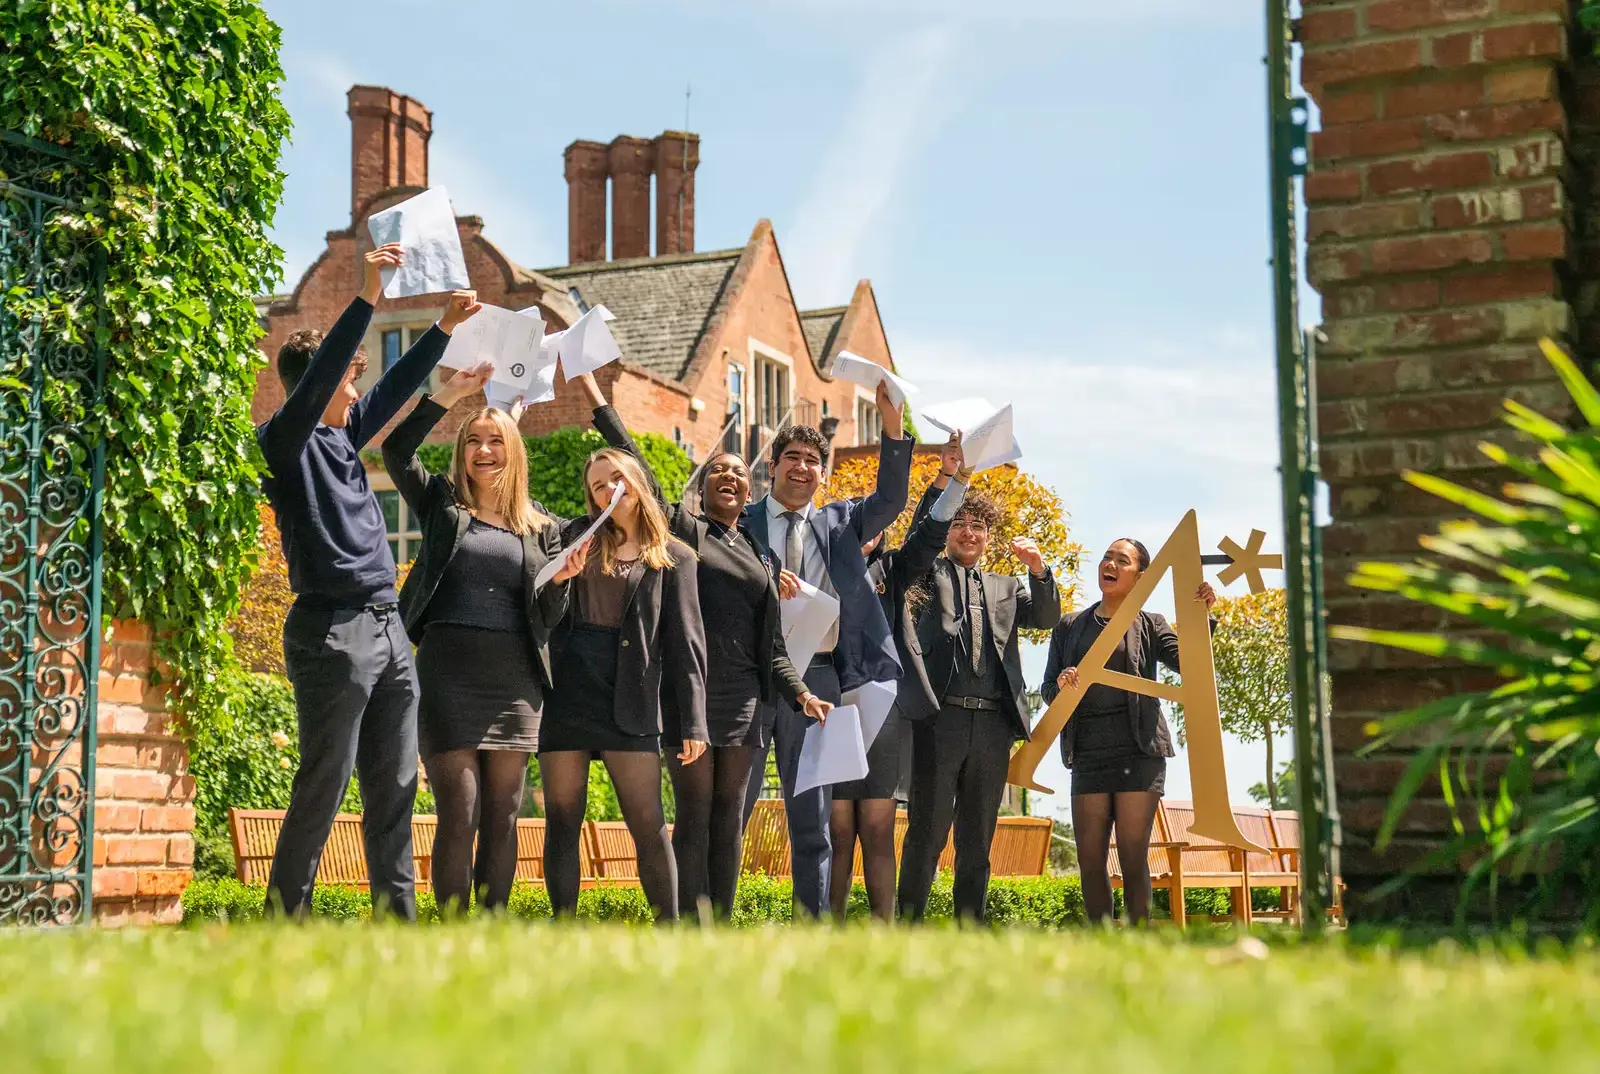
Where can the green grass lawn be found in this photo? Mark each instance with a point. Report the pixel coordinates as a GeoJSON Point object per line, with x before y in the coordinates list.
{"type": "Point", "coordinates": [513, 996]}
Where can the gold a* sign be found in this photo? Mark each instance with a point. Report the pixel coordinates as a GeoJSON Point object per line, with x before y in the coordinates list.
{"type": "Point", "coordinates": [1180, 556]}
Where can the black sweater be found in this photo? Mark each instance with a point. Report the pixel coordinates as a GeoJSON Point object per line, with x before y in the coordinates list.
{"type": "Point", "coordinates": [333, 534]}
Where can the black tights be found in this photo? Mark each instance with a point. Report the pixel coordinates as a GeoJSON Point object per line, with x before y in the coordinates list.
{"type": "Point", "coordinates": [479, 794]}
{"type": "Point", "coordinates": [637, 778]}
{"type": "Point", "coordinates": [707, 836]}
{"type": "Point", "coordinates": [1133, 814]}
{"type": "Point", "coordinates": [872, 819]}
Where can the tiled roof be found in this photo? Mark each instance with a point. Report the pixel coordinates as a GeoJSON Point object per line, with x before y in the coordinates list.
{"type": "Point", "coordinates": [662, 304]}
{"type": "Point", "coordinates": [821, 328]}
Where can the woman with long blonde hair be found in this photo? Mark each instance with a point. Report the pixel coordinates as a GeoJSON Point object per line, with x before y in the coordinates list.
{"type": "Point", "coordinates": [632, 634]}
{"type": "Point", "coordinates": [483, 664]}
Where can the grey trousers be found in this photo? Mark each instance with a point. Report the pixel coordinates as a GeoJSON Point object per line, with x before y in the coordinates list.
{"type": "Point", "coordinates": [959, 759]}
{"type": "Point", "coordinates": [355, 697]}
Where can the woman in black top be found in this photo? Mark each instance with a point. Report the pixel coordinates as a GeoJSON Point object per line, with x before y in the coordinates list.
{"type": "Point", "coordinates": [631, 640]}
{"type": "Point", "coordinates": [482, 666]}
{"type": "Point", "coordinates": [748, 664]}
{"type": "Point", "coordinates": [1116, 743]}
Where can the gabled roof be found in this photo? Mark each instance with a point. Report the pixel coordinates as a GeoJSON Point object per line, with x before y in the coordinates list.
{"type": "Point", "coordinates": [662, 304]}
{"type": "Point", "coordinates": [822, 333]}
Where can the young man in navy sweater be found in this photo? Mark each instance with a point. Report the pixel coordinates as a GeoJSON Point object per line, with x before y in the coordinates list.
{"type": "Point", "coordinates": [347, 654]}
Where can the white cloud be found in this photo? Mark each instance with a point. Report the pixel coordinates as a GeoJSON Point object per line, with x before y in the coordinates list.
{"type": "Point", "coordinates": [889, 119]}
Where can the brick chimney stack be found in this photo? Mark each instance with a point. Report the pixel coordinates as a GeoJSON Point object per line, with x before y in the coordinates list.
{"type": "Point", "coordinates": [389, 135]}
{"type": "Point", "coordinates": [671, 157]}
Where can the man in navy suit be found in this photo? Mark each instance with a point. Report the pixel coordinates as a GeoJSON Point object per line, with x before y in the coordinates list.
{"type": "Point", "coordinates": [822, 546]}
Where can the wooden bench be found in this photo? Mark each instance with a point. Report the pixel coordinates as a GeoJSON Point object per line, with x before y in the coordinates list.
{"type": "Point", "coordinates": [1021, 845]}
{"type": "Point", "coordinates": [1181, 860]}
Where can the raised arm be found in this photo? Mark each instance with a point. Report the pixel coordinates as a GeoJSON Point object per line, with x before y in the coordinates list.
{"type": "Point", "coordinates": [609, 425]}
{"type": "Point", "coordinates": [1166, 638]}
{"type": "Point", "coordinates": [879, 510]}
{"type": "Point", "coordinates": [401, 381]}
{"type": "Point", "coordinates": [952, 467]}
{"type": "Point", "coordinates": [411, 479]}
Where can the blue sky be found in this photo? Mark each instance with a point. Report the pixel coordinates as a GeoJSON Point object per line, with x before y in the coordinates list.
{"type": "Point", "coordinates": [1061, 203]}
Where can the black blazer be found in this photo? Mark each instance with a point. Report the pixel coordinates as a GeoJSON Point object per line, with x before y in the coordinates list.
{"type": "Point", "coordinates": [443, 521]}
{"type": "Point", "coordinates": [894, 574]}
{"type": "Point", "coordinates": [661, 648]}
{"type": "Point", "coordinates": [1151, 640]}
{"type": "Point", "coordinates": [777, 672]}
{"type": "Point", "coordinates": [1011, 604]}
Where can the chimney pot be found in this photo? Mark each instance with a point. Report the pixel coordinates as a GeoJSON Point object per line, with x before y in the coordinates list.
{"type": "Point", "coordinates": [677, 156]}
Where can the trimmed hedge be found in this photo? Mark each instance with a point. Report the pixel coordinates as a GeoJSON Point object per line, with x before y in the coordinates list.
{"type": "Point", "coordinates": [1039, 902]}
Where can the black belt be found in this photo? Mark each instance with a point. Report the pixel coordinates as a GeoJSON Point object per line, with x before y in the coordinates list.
{"type": "Point", "coordinates": [982, 704]}
{"type": "Point", "coordinates": [822, 660]}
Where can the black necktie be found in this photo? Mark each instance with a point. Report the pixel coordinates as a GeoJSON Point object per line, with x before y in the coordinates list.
{"type": "Point", "coordinates": [975, 618]}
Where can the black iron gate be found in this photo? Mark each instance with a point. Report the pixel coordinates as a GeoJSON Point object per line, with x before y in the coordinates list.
{"type": "Point", "coordinates": [52, 467]}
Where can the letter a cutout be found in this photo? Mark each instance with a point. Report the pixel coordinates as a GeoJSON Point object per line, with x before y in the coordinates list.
{"type": "Point", "coordinates": [1213, 814]}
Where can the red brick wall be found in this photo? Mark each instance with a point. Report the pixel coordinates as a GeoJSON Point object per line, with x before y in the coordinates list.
{"type": "Point", "coordinates": [1439, 235]}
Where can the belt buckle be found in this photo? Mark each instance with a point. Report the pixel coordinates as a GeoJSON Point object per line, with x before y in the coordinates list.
{"type": "Point", "coordinates": [971, 703]}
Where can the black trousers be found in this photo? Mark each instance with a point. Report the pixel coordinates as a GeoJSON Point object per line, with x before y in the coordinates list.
{"type": "Point", "coordinates": [959, 759]}
{"type": "Point", "coordinates": [355, 698]}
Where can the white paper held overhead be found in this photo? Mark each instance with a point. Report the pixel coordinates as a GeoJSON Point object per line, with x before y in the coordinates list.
{"type": "Point", "coordinates": [514, 343]}
{"type": "Point", "coordinates": [857, 370]}
{"type": "Point", "coordinates": [425, 228]}
{"type": "Point", "coordinates": [833, 752]}
{"type": "Point", "coordinates": [588, 344]}
{"type": "Point", "coordinates": [551, 569]}
{"type": "Point", "coordinates": [806, 619]}
{"type": "Point", "coordinates": [873, 701]}
{"type": "Point", "coordinates": [986, 434]}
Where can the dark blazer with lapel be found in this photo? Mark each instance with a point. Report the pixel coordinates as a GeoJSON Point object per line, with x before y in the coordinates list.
{"type": "Point", "coordinates": [661, 645]}
{"type": "Point", "coordinates": [1011, 604]}
{"type": "Point", "coordinates": [1151, 641]}
{"type": "Point", "coordinates": [893, 574]}
{"type": "Point", "coordinates": [777, 672]}
{"type": "Point", "coordinates": [443, 521]}
{"type": "Point", "coordinates": [866, 650]}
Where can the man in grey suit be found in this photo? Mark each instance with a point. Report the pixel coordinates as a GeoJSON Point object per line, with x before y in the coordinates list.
{"type": "Point", "coordinates": [969, 705]}
{"type": "Point", "coordinates": [822, 546]}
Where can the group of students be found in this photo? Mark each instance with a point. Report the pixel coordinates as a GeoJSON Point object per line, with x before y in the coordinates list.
{"type": "Point", "coordinates": [661, 634]}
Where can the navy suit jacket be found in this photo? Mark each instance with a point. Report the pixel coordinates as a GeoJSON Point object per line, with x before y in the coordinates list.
{"type": "Point", "coordinates": [866, 649]}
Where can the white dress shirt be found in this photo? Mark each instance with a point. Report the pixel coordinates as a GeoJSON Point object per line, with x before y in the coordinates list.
{"type": "Point", "coordinates": [816, 564]}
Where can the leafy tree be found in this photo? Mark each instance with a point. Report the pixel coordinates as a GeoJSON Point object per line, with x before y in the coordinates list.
{"type": "Point", "coordinates": [1251, 651]}
{"type": "Point", "coordinates": [1283, 789]}
{"type": "Point", "coordinates": [1027, 509]}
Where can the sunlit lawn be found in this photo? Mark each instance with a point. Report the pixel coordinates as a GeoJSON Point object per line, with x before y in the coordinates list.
{"type": "Point", "coordinates": [515, 996]}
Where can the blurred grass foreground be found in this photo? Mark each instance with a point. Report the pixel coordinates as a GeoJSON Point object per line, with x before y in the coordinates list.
{"type": "Point", "coordinates": [509, 996]}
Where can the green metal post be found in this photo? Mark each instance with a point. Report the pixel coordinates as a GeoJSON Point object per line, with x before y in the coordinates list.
{"type": "Point", "coordinates": [1298, 470]}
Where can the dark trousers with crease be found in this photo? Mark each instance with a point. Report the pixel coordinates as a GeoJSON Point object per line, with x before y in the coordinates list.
{"type": "Point", "coordinates": [959, 759]}
{"type": "Point", "coordinates": [355, 698]}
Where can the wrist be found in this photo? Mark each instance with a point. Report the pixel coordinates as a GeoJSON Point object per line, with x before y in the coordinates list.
{"type": "Point", "coordinates": [371, 293]}
{"type": "Point", "coordinates": [964, 475]}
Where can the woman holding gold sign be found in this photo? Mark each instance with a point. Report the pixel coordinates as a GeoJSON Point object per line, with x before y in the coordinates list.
{"type": "Point", "coordinates": [1117, 742]}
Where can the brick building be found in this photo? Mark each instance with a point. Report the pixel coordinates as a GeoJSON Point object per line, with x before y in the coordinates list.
{"type": "Point", "coordinates": [715, 350]}
{"type": "Point", "coordinates": [1451, 223]}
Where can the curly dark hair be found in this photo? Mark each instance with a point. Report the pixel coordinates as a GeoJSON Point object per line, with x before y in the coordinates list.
{"type": "Point", "coordinates": [980, 507]}
{"type": "Point", "coordinates": [294, 357]}
{"type": "Point", "coordinates": [803, 434]}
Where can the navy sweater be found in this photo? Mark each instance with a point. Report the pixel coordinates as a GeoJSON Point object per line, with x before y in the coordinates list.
{"type": "Point", "coordinates": [333, 534]}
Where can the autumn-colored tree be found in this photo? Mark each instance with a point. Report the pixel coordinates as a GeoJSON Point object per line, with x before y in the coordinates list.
{"type": "Point", "coordinates": [1027, 509]}
{"type": "Point", "coordinates": [1251, 651]}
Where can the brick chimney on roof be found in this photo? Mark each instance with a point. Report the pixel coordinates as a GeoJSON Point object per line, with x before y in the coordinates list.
{"type": "Point", "coordinates": [389, 135]}
{"type": "Point", "coordinates": [629, 163]}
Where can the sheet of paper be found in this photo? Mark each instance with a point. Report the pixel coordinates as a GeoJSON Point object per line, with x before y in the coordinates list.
{"type": "Point", "coordinates": [550, 569]}
{"type": "Point", "coordinates": [858, 370]}
{"type": "Point", "coordinates": [425, 227]}
{"type": "Point", "coordinates": [987, 437]}
{"type": "Point", "coordinates": [873, 701]}
{"type": "Point", "coordinates": [806, 618]}
{"type": "Point", "coordinates": [511, 340]}
{"type": "Point", "coordinates": [588, 344]}
{"type": "Point", "coordinates": [833, 752]}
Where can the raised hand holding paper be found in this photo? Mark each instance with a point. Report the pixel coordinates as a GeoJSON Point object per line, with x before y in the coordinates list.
{"type": "Point", "coordinates": [987, 439]}
{"type": "Point", "coordinates": [551, 569]}
{"type": "Point", "coordinates": [806, 618]}
{"type": "Point", "coordinates": [858, 370]}
{"type": "Point", "coordinates": [425, 228]}
{"type": "Point", "coordinates": [588, 344]}
{"type": "Point", "coordinates": [513, 343]}
{"type": "Point", "coordinates": [833, 752]}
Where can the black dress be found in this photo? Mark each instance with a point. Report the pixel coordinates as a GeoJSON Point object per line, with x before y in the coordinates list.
{"type": "Point", "coordinates": [479, 688]}
{"type": "Point", "coordinates": [1106, 757]}
{"type": "Point", "coordinates": [733, 593]}
{"type": "Point", "coordinates": [581, 713]}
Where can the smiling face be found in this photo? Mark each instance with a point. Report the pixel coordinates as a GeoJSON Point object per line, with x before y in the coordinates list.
{"type": "Point", "coordinates": [1119, 569]}
{"type": "Point", "coordinates": [969, 540]}
{"type": "Point", "coordinates": [485, 447]}
{"type": "Point", "coordinates": [797, 475]}
{"type": "Point", "coordinates": [727, 485]}
{"type": "Point", "coordinates": [599, 480]}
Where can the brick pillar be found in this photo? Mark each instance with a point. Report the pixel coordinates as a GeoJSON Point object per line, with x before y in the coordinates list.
{"type": "Point", "coordinates": [143, 811]}
{"type": "Point", "coordinates": [586, 169]}
{"type": "Point", "coordinates": [677, 156]}
{"type": "Point", "coordinates": [389, 135]}
{"type": "Point", "coordinates": [1438, 233]}
{"type": "Point", "coordinates": [632, 160]}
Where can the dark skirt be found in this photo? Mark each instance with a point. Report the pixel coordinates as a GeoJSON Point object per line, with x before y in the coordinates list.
{"type": "Point", "coordinates": [885, 772]}
{"type": "Point", "coordinates": [479, 690]}
{"type": "Point", "coordinates": [1113, 775]}
{"type": "Point", "coordinates": [732, 719]}
{"type": "Point", "coordinates": [581, 714]}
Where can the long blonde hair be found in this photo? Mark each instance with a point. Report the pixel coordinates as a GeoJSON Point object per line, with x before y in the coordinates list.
{"type": "Point", "coordinates": [654, 535]}
{"type": "Point", "coordinates": [509, 497]}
